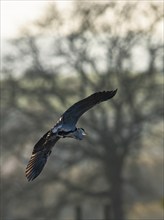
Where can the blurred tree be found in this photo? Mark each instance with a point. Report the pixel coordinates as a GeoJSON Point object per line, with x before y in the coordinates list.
{"type": "Point", "coordinates": [93, 48]}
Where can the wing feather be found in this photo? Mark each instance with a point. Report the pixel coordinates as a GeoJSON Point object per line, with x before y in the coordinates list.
{"type": "Point", "coordinates": [72, 115]}
{"type": "Point", "coordinates": [40, 153]}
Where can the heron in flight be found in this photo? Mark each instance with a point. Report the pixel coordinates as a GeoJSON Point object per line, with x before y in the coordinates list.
{"type": "Point", "coordinates": [65, 127]}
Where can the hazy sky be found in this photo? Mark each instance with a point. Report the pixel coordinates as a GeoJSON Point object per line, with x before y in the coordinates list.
{"type": "Point", "coordinates": [15, 14]}
{"type": "Point", "coordinates": [18, 13]}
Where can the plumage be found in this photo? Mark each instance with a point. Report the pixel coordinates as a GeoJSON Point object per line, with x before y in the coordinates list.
{"type": "Point", "coordinates": [65, 127]}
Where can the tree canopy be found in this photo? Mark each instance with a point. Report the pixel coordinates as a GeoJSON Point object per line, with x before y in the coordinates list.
{"type": "Point", "coordinates": [58, 60]}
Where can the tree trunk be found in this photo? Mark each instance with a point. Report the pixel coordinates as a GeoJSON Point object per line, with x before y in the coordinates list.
{"type": "Point", "coordinates": [117, 198]}
{"type": "Point", "coordinates": [114, 176]}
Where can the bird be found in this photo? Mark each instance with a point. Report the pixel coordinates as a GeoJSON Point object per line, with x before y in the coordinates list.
{"type": "Point", "coordinates": [65, 127]}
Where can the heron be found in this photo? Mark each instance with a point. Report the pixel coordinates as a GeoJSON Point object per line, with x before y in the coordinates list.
{"type": "Point", "coordinates": [65, 127]}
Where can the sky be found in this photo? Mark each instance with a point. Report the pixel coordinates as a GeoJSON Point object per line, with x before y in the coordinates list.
{"type": "Point", "coordinates": [15, 14]}
{"type": "Point", "coordinates": [18, 13]}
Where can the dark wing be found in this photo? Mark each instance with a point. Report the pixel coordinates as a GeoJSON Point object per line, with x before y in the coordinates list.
{"type": "Point", "coordinates": [40, 153]}
{"type": "Point", "coordinates": [72, 115]}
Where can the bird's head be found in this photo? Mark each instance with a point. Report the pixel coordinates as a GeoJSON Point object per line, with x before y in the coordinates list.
{"type": "Point", "coordinates": [80, 133]}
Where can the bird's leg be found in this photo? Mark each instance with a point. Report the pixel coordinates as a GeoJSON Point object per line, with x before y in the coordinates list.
{"type": "Point", "coordinates": [61, 136]}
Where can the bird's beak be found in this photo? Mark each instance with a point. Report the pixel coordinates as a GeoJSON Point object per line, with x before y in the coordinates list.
{"type": "Point", "coordinates": [84, 133]}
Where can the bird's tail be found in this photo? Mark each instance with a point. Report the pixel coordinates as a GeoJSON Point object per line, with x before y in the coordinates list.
{"type": "Point", "coordinates": [36, 164]}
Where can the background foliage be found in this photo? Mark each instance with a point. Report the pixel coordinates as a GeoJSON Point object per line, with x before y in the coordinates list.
{"type": "Point", "coordinates": [60, 59]}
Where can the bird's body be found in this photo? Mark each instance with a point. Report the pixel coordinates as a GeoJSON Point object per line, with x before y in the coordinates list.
{"type": "Point", "coordinates": [65, 127]}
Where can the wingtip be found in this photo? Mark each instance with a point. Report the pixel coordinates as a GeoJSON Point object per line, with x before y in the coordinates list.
{"type": "Point", "coordinates": [115, 91]}
{"type": "Point", "coordinates": [35, 165]}
{"type": "Point", "coordinates": [30, 177]}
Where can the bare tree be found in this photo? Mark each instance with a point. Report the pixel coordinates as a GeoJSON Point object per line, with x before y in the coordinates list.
{"type": "Point", "coordinates": [99, 55]}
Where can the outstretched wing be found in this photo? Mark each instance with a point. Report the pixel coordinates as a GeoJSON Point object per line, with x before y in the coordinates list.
{"type": "Point", "coordinates": [72, 115]}
{"type": "Point", "coordinates": [40, 153]}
